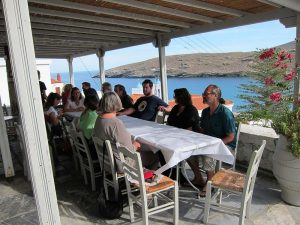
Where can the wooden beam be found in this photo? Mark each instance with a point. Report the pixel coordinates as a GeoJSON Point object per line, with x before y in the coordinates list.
{"type": "Point", "coordinates": [98, 19]}
{"type": "Point", "coordinates": [164, 10]}
{"type": "Point", "coordinates": [111, 12]}
{"type": "Point", "coordinates": [209, 7]}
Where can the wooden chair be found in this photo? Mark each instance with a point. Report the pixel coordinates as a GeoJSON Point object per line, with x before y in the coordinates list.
{"type": "Point", "coordinates": [71, 135]}
{"type": "Point", "coordinates": [158, 192]}
{"type": "Point", "coordinates": [111, 177]}
{"type": "Point", "coordinates": [86, 161]}
{"type": "Point", "coordinates": [21, 140]}
{"type": "Point", "coordinates": [232, 181]}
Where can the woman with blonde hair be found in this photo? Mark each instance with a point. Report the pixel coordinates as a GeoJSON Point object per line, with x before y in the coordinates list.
{"type": "Point", "coordinates": [109, 127]}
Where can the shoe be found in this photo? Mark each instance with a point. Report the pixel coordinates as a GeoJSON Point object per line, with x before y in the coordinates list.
{"type": "Point", "coordinates": [202, 194]}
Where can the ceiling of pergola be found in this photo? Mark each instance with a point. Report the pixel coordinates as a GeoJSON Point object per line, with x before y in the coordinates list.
{"type": "Point", "coordinates": [80, 27]}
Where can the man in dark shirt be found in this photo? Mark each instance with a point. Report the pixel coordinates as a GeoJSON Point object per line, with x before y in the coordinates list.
{"type": "Point", "coordinates": [88, 90]}
{"type": "Point", "coordinates": [43, 88]}
{"type": "Point", "coordinates": [147, 106]}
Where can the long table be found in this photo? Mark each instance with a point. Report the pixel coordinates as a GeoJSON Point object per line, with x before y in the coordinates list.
{"type": "Point", "coordinates": [175, 144]}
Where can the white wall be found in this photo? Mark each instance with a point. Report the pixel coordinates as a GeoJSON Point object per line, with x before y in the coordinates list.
{"type": "Point", "coordinates": [43, 65]}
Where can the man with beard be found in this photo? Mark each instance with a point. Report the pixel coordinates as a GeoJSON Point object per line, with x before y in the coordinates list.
{"type": "Point", "coordinates": [147, 106]}
{"type": "Point", "coordinates": [217, 121]}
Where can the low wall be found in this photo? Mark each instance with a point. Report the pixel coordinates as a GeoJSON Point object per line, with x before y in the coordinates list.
{"type": "Point", "coordinates": [251, 137]}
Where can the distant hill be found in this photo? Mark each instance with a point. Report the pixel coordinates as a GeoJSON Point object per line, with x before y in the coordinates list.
{"type": "Point", "coordinates": [193, 65]}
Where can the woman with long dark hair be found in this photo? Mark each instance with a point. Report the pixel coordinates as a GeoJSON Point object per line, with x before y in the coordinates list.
{"type": "Point", "coordinates": [76, 102]}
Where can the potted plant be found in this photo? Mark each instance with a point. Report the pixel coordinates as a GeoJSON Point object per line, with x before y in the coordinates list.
{"type": "Point", "coordinates": [270, 98]}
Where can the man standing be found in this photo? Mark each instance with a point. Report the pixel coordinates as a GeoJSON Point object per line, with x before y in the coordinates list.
{"type": "Point", "coordinates": [217, 121]}
{"type": "Point", "coordinates": [147, 106]}
{"type": "Point", "coordinates": [88, 90]}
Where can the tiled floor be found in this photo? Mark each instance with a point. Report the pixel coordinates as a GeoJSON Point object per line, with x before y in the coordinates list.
{"type": "Point", "coordinates": [77, 205]}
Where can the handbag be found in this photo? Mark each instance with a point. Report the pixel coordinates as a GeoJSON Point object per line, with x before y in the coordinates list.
{"type": "Point", "coordinates": [111, 208]}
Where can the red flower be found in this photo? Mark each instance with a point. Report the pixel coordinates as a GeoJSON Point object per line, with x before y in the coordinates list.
{"type": "Point", "coordinates": [267, 54]}
{"type": "Point", "coordinates": [276, 64]}
{"type": "Point", "coordinates": [284, 66]}
{"type": "Point", "coordinates": [281, 55]}
{"type": "Point", "coordinates": [289, 76]}
{"type": "Point", "coordinates": [269, 81]}
{"type": "Point", "coordinates": [290, 56]}
{"type": "Point", "coordinates": [275, 97]}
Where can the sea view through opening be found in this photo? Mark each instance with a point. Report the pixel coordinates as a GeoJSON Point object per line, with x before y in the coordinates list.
{"type": "Point", "coordinates": [195, 85]}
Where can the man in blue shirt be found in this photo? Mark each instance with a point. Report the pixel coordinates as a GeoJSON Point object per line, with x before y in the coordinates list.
{"type": "Point", "coordinates": [217, 121]}
{"type": "Point", "coordinates": [147, 106]}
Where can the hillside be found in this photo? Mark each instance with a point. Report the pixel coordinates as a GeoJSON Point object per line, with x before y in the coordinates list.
{"type": "Point", "coordinates": [193, 65]}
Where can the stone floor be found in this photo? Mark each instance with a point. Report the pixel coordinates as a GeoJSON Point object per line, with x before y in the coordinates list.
{"type": "Point", "coordinates": [77, 204]}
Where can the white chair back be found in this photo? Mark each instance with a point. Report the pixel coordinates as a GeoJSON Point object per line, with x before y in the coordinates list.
{"type": "Point", "coordinates": [111, 177]}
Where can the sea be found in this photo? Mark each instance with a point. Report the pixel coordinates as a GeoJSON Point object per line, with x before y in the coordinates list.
{"type": "Point", "coordinates": [195, 85]}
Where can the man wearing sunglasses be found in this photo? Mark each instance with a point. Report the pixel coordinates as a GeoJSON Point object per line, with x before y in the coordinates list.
{"type": "Point", "coordinates": [217, 121]}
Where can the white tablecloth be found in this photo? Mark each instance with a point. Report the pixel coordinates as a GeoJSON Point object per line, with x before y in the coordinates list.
{"type": "Point", "coordinates": [175, 144]}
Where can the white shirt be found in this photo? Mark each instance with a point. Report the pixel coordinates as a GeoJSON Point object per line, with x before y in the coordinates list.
{"type": "Point", "coordinates": [73, 105]}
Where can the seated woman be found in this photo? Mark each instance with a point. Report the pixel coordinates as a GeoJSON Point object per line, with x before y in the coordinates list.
{"type": "Point", "coordinates": [127, 101]}
{"type": "Point", "coordinates": [109, 127]}
{"type": "Point", "coordinates": [76, 102]}
{"type": "Point", "coordinates": [87, 122]}
{"type": "Point", "coordinates": [52, 115]}
{"type": "Point", "coordinates": [66, 93]}
{"type": "Point", "coordinates": [184, 115]}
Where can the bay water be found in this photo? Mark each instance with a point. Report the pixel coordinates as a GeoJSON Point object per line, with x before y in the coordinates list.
{"type": "Point", "coordinates": [195, 85]}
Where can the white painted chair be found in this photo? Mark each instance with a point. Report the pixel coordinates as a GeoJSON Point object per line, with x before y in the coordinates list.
{"type": "Point", "coordinates": [21, 140]}
{"type": "Point", "coordinates": [71, 135]}
{"type": "Point", "coordinates": [234, 182]}
{"type": "Point", "coordinates": [161, 117]}
{"type": "Point", "coordinates": [86, 161]}
{"type": "Point", "coordinates": [158, 193]}
{"type": "Point", "coordinates": [111, 177]}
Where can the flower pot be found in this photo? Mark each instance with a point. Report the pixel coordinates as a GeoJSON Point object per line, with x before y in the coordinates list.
{"type": "Point", "coordinates": [286, 169]}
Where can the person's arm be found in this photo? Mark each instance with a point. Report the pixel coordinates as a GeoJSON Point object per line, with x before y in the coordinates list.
{"type": "Point", "coordinates": [126, 112]}
{"type": "Point", "coordinates": [53, 119]}
{"type": "Point", "coordinates": [228, 138]}
{"type": "Point", "coordinates": [165, 108]}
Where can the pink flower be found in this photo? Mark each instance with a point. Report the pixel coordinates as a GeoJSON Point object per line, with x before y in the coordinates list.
{"type": "Point", "coordinates": [284, 66]}
{"type": "Point", "coordinates": [276, 64]}
{"type": "Point", "coordinates": [275, 97]}
{"type": "Point", "coordinates": [289, 76]}
{"type": "Point", "coordinates": [267, 54]}
{"type": "Point", "coordinates": [269, 81]}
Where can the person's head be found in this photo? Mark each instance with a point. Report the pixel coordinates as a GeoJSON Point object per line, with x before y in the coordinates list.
{"type": "Point", "coordinates": [212, 94]}
{"type": "Point", "coordinates": [86, 85]}
{"type": "Point", "coordinates": [91, 102]}
{"type": "Point", "coordinates": [67, 88]}
{"type": "Point", "coordinates": [75, 94]}
{"type": "Point", "coordinates": [182, 96]}
{"type": "Point", "coordinates": [106, 87]}
{"type": "Point", "coordinates": [120, 90]}
{"type": "Point", "coordinates": [110, 102]}
{"type": "Point", "coordinates": [53, 99]}
{"type": "Point", "coordinates": [147, 87]}
{"type": "Point", "coordinates": [39, 74]}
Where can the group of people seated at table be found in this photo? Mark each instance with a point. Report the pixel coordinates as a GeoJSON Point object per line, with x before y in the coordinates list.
{"type": "Point", "coordinates": [99, 118]}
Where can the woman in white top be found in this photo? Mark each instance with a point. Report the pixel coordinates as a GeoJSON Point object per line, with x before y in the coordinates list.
{"type": "Point", "coordinates": [52, 116]}
{"type": "Point", "coordinates": [76, 102]}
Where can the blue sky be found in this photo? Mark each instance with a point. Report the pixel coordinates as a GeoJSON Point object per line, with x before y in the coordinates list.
{"type": "Point", "coordinates": [245, 38]}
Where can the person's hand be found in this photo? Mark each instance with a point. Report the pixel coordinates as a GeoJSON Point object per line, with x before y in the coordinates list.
{"type": "Point", "coordinates": [161, 108]}
{"type": "Point", "coordinates": [136, 145]}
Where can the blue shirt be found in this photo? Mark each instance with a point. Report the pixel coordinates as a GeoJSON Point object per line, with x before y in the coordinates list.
{"type": "Point", "coordinates": [146, 107]}
{"type": "Point", "coordinates": [219, 124]}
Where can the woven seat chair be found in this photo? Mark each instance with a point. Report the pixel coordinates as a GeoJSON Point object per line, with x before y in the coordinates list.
{"type": "Point", "coordinates": [111, 176]}
{"type": "Point", "coordinates": [158, 192]}
{"type": "Point", "coordinates": [238, 183]}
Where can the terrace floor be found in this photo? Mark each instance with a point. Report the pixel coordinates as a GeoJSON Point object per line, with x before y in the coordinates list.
{"type": "Point", "coordinates": [78, 205]}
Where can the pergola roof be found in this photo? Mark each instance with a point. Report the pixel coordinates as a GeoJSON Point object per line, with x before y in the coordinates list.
{"type": "Point", "coordinates": [81, 27]}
